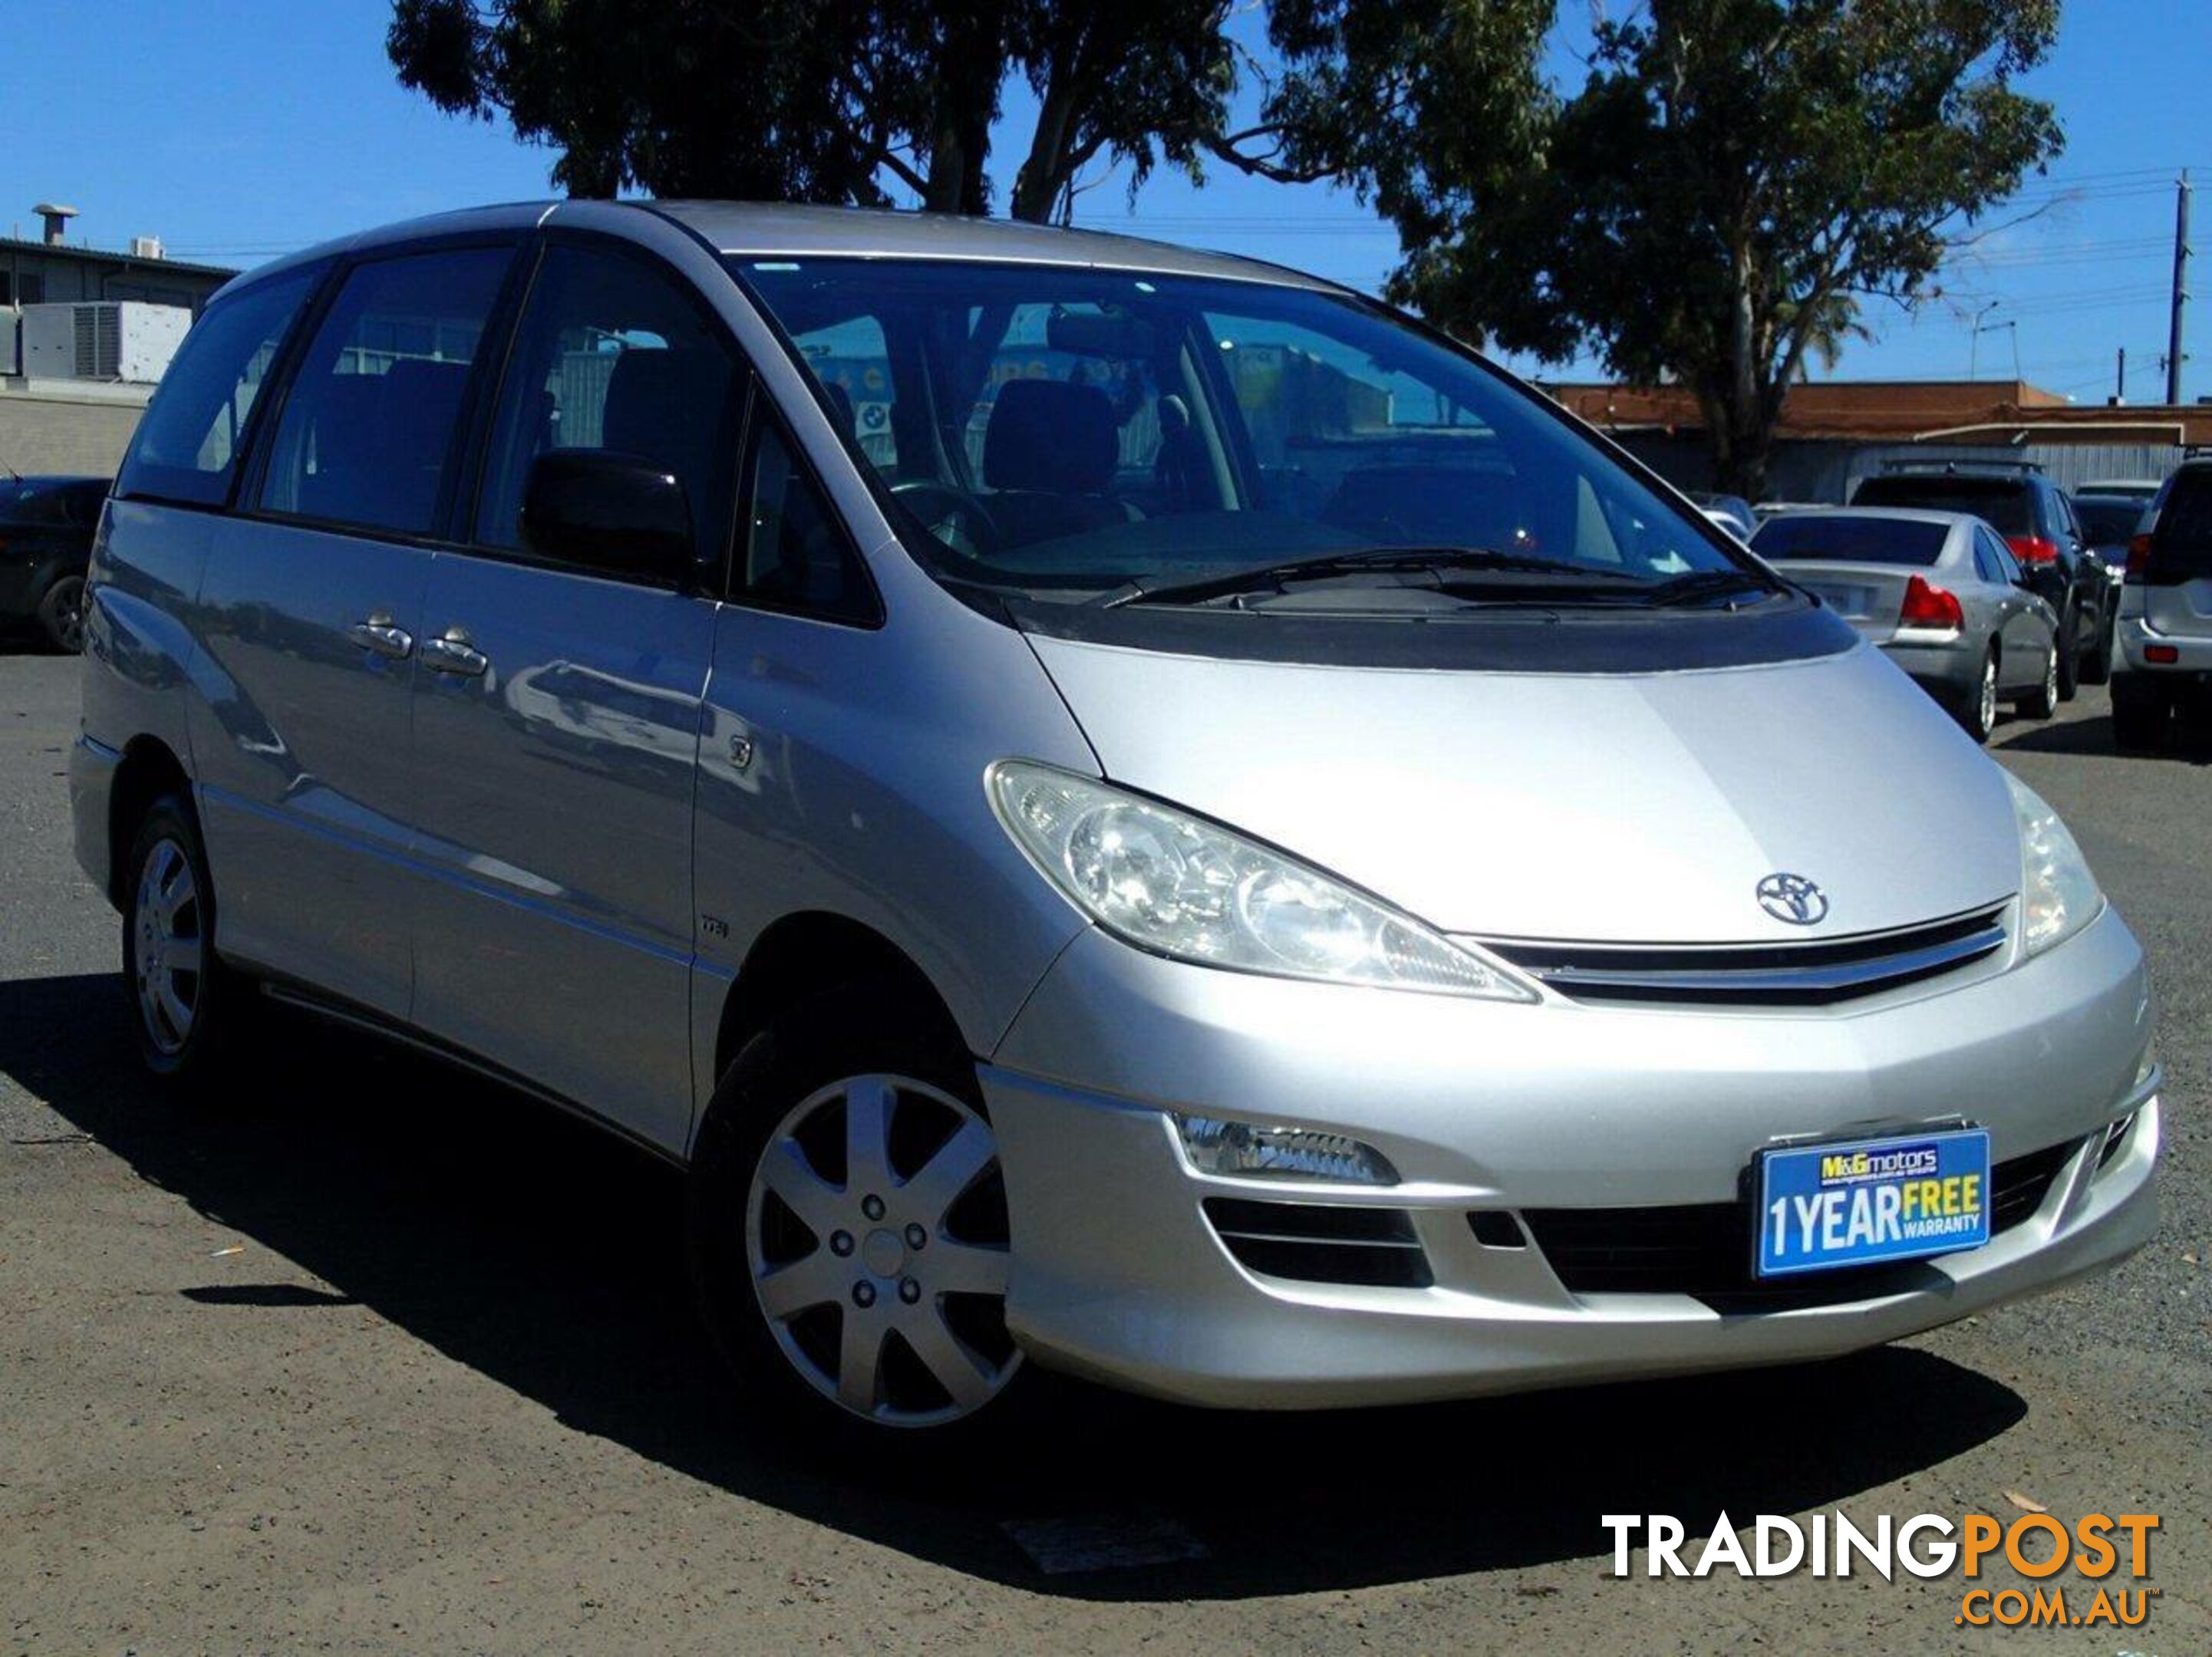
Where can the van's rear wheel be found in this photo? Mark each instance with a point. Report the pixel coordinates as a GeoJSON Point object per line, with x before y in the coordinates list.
{"type": "Point", "coordinates": [184, 1000]}
{"type": "Point", "coordinates": [848, 1230]}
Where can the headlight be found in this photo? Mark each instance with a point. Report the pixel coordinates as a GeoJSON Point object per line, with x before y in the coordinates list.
{"type": "Point", "coordinates": [2058, 895]}
{"type": "Point", "coordinates": [1181, 886]}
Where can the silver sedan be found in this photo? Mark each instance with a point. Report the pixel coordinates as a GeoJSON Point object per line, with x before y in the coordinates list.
{"type": "Point", "coordinates": [1940, 593]}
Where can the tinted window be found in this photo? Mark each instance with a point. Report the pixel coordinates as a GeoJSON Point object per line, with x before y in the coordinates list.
{"type": "Point", "coordinates": [367, 431]}
{"type": "Point", "coordinates": [613, 355]}
{"type": "Point", "coordinates": [1985, 559]}
{"type": "Point", "coordinates": [2004, 502]}
{"type": "Point", "coordinates": [35, 500]}
{"type": "Point", "coordinates": [2181, 540]}
{"type": "Point", "coordinates": [795, 555]}
{"type": "Point", "coordinates": [85, 500]}
{"type": "Point", "coordinates": [1851, 540]}
{"type": "Point", "coordinates": [2108, 518]}
{"type": "Point", "coordinates": [186, 448]}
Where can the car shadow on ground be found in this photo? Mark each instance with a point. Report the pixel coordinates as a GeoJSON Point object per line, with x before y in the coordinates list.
{"type": "Point", "coordinates": [522, 1244]}
{"type": "Point", "coordinates": [2094, 736]}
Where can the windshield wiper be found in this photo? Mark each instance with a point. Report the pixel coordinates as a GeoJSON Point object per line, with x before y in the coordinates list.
{"type": "Point", "coordinates": [1429, 561]}
{"type": "Point", "coordinates": [1698, 584]}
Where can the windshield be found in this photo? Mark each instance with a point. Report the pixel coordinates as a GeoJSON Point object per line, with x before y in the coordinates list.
{"type": "Point", "coordinates": [1852, 540]}
{"type": "Point", "coordinates": [1064, 432]}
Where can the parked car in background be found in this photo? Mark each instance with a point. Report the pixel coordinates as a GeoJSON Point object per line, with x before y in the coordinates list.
{"type": "Point", "coordinates": [1940, 593]}
{"type": "Point", "coordinates": [46, 526]}
{"type": "Point", "coordinates": [2138, 489]}
{"type": "Point", "coordinates": [1731, 511]}
{"type": "Point", "coordinates": [2109, 523]}
{"type": "Point", "coordinates": [2166, 614]}
{"type": "Point", "coordinates": [2038, 522]}
{"type": "Point", "coordinates": [1131, 873]}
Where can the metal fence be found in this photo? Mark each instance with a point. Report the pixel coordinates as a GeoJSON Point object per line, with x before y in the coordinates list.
{"type": "Point", "coordinates": [1826, 471]}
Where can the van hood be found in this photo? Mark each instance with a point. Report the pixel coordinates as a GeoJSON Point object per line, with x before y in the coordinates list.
{"type": "Point", "coordinates": [1629, 808]}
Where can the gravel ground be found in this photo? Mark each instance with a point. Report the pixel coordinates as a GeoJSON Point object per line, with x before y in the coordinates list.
{"type": "Point", "coordinates": [383, 1358]}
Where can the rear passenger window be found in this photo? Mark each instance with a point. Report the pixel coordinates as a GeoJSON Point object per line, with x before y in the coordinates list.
{"type": "Point", "coordinates": [795, 555]}
{"type": "Point", "coordinates": [612, 355]}
{"type": "Point", "coordinates": [367, 432]}
{"type": "Point", "coordinates": [1985, 558]}
{"type": "Point", "coordinates": [2181, 535]}
{"type": "Point", "coordinates": [186, 446]}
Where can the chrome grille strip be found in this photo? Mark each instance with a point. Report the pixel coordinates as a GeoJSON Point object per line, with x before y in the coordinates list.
{"type": "Point", "coordinates": [1781, 975]}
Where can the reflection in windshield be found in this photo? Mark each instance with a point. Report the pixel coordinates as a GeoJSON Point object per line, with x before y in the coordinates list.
{"type": "Point", "coordinates": [1066, 432]}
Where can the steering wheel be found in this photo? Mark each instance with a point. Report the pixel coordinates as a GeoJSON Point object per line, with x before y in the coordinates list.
{"type": "Point", "coordinates": [953, 516]}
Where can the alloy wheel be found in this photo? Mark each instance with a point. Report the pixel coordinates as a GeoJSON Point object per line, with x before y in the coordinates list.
{"type": "Point", "coordinates": [876, 1234]}
{"type": "Point", "coordinates": [64, 613]}
{"type": "Point", "coordinates": [2050, 680]}
{"type": "Point", "coordinates": [1988, 709]}
{"type": "Point", "coordinates": [169, 945]}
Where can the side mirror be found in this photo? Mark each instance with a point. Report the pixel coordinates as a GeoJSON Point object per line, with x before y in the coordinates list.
{"type": "Point", "coordinates": [611, 512]}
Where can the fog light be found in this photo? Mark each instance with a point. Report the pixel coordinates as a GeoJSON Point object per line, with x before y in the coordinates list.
{"type": "Point", "coordinates": [1254, 1149]}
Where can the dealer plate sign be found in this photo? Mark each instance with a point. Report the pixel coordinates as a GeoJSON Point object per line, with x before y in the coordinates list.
{"type": "Point", "coordinates": [1866, 1200]}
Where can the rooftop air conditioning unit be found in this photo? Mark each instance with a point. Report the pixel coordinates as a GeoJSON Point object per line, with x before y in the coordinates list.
{"type": "Point", "coordinates": [107, 340]}
{"type": "Point", "coordinates": [146, 247]}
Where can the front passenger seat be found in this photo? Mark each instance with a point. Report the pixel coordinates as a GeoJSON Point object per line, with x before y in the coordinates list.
{"type": "Point", "coordinates": [1050, 453]}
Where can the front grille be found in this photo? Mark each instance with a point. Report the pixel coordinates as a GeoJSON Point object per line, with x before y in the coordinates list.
{"type": "Point", "coordinates": [1704, 1249]}
{"type": "Point", "coordinates": [1322, 1243]}
{"type": "Point", "coordinates": [1761, 974]}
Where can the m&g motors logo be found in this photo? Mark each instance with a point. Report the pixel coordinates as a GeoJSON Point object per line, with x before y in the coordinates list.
{"type": "Point", "coordinates": [2107, 1554]}
{"type": "Point", "coordinates": [1898, 1163]}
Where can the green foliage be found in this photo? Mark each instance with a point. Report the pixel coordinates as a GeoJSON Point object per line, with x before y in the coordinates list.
{"type": "Point", "coordinates": [1732, 180]}
{"type": "Point", "coordinates": [820, 100]}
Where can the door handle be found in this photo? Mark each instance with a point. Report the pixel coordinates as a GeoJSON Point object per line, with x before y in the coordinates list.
{"type": "Point", "coordinates": [451, 652]}
{"type": "Point", "coordinates": [377, 635]}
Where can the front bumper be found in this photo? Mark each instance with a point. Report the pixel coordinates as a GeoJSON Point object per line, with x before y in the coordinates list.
{"type": "Point", "coordinates": [92, 767]}
{"type": "Point", "coordinates": [1118, 1274]}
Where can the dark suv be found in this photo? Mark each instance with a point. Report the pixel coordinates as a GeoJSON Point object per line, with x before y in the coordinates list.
{"type": "Point", "coordinates": [2039, 522]}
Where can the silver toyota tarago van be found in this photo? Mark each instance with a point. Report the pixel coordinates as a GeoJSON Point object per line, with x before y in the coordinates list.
{"type": "Point", "coordinates": [1120, 811]}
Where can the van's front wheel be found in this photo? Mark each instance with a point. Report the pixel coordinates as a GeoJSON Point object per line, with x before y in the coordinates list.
{"type": "Point", "coordinates": [848, 1230]}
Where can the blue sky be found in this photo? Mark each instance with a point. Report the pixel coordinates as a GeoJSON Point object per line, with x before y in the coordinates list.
{"type": "Point", "coordinates": [240, 129]}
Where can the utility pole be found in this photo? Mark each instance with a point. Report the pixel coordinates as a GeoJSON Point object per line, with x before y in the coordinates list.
{"type": "Point", "coordinates": [2120, 379]}
{"type": "Point", "coordinates": [2180, 288]}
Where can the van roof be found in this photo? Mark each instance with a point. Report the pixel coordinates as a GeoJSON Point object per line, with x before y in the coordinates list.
{"type": "Point", "coordinates": [775, 229]}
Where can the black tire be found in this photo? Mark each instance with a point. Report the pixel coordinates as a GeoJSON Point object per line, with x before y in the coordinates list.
{"type": "Point", "coordinates": [2141, 715]}
{"type": "Point", "coordinates": [1977, 710]}
{"type": "Point", "coordinates": [2042, 702]}
{"type": "Point", "coordinates": [845, 1034]}
{"type": "Point", "coordinates": [218, 1000]}
{"type": "Point", "coordinates": [2070, 654]}
{"type": "Point", "coordinates": [61, 613]}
